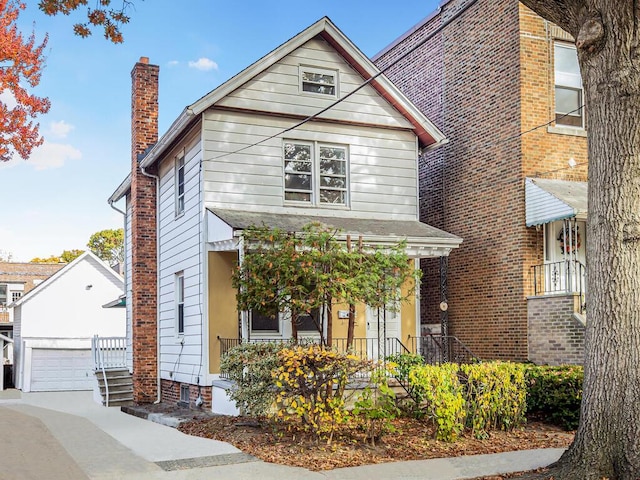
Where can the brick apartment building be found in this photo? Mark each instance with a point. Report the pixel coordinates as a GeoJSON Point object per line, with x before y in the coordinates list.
{"type": "Point", "coordinates": [503, 85]}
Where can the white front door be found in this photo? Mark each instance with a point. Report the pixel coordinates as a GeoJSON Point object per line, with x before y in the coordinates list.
{"type": "Point", "coordinates": [565, 247]}
{"type": "Point", "coordinates": [382, 324]}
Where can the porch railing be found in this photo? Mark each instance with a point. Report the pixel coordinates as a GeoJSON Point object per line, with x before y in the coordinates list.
{"type": "Point", "coordinates": [437, 349]}
{"type": "Point", "coordinates": [109, 352]}
{"type": "Point", "coordinates": [363, 348]}
{"type": "Point", "coordinates": [568, 276]}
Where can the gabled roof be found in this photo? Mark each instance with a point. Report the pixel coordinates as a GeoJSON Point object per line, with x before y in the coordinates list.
{"type": "Point", "coordinates": [86, 255]}
{"type": "Point", "coordinates": [426, 132]}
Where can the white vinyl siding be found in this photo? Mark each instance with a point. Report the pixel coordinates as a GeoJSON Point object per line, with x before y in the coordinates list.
{"type": "Point", "coordinates": [277, 90]}
{"type": "Point", "coordinates": [382, 174]}
{"type": "Point", "coordinates": [180, 251]}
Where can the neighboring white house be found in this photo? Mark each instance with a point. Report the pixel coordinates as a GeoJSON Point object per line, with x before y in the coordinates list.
{"type": "Point", "coordinates": [54, 324]}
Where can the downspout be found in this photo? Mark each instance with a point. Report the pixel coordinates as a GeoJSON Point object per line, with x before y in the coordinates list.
{"type": "Point", "coordinates": [158, 380]}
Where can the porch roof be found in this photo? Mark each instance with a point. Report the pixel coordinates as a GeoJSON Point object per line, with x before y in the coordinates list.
{"type": "Point", "coordinates": [422, 240]}
{"type": "Point", "coordinates": [550, 200]}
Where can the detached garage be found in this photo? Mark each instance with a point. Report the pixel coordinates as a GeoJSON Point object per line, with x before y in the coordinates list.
{"type": "Point", "coordinates": [54, 324]}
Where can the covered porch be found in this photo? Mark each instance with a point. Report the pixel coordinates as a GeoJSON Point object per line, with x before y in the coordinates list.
{"type": "Point", "coordinates": [557, 304]}
{"type": "Point", "coordinates": [378, 332]}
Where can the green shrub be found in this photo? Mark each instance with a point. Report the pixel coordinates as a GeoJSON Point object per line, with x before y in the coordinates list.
{"type": "Point", "coordinates": [495, 394]}
{"type": "Point", "coordinates": [555, 393]}
{"type": "Point", "coordinates": [443, 399]}
{"type": "Point", "coordinates": [249, 365]}
{"type": "Point", "coordinates": [376, 407]}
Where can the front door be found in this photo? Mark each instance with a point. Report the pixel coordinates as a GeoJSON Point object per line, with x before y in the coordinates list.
{"type": "Point", "coordinates": [565, 248]}
{"type": "Point", "coordinates": [382, 324]}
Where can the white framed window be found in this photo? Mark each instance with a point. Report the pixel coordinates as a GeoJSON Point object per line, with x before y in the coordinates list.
{"type": "Point", "coordinates": [318, 81]}
{"type": "Point", "coordinates": [568, 86]}
{"type": "Point", "coordinates": [315, 173]}
{"type": "Point", "coordinates": [3, 294]}
{"type": "Point", "coordinates": [15, 296]}
{"type": "Point", "coordinates": [179, 284]}
{"type": "Point", "coordinates": [179, 173]}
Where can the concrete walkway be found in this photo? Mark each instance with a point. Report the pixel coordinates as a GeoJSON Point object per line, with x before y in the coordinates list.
{"type": "Point", "coordinates": [95, 442]}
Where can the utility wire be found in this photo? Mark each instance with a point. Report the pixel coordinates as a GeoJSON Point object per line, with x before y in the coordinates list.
{"type": "Point", "coordinates": [513, 137]}
{"type": "Point", "coordinates": [357, 89]}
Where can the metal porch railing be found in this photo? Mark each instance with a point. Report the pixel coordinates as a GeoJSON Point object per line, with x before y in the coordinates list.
{"type": "Point", "coordinates": [363, 348]}
{"type": "Point", "coordinates": [568, 276]}
{"type": "Point", "coordinates": [441, 349]}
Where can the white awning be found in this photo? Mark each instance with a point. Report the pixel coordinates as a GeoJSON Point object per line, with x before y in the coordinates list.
{"type": "Point", "coordinates": [551, 200]}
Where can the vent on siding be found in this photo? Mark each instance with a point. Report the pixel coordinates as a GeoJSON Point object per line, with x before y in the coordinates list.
{"type": "Point", "coordinates": [184, 395]}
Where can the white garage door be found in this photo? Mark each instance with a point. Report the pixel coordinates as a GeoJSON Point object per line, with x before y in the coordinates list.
{"type": "Point", "coordinates": [61, 369]}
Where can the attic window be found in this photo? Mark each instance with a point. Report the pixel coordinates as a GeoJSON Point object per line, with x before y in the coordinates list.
{"type": "Point", "coordinates": [318, 81]}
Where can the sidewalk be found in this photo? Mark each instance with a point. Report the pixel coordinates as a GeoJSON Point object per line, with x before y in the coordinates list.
{"type": "Point", "coordinates": [106, 443]}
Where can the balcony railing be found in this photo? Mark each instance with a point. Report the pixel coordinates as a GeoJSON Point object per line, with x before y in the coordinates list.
{"type": "Point", "coordinates": [568, 277]}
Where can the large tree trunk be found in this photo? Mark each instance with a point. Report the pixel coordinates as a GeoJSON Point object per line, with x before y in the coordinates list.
{"type": "Point", "coordinates": [607, 443]}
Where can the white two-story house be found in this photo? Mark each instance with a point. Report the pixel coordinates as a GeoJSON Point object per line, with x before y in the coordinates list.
{"type": "Point", "coordinates": [310, 132]}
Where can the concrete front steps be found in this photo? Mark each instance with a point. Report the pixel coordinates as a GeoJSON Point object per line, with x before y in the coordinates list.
{"type": "Point", "coordinates": [120, 385]}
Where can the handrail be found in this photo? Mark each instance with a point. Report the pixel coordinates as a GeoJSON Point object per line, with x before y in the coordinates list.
{"type": "Point", "coordinates": [442, 348]}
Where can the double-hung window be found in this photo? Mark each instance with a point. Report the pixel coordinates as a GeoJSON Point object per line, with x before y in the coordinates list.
{"type": "Point", "coordinates": [179, 284]}
{"type": "Point", "coordinates": [3, 294]}
{"type": "Point", "coordinates": [315, 173]}
{"type": "Point", "coordinates": [568, 86]}
{"type": "Point", "coordinates": [179, 172]}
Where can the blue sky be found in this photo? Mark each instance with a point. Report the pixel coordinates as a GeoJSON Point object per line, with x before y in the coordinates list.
{"type": "Point", "coordinates": [58, 198]}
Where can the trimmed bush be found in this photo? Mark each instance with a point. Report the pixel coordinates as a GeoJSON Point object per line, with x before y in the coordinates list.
{"type": "Point", "coordinates": [443, 397]}
{"type": "Point", "coordinates": [555, 393]}
{"type": "Point", "coordinates": [495, 394]}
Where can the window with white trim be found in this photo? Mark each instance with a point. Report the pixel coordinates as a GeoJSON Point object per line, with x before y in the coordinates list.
{"type": "Point", "coordinates": [3, 294]}
{"type": "Point", "coordinates": [568, 86]}
{"type": "Point", "coordinates": [318, 81]}
{"type": "Point", "coordinates": [179, 184]}
{"type": "Point", "coordinates": [179, 283]}
{"type": "Point", "coordinates": [15, 296]}
{"type": "Point", "coordinates": [315, 173]}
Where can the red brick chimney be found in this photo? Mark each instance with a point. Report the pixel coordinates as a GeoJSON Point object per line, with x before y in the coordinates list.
{"type": "Point", "coordinates": [144, 264]}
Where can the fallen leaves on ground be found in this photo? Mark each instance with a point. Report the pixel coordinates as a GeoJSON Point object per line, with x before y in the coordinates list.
{"type": "Point", "coordinates": [412, 440]}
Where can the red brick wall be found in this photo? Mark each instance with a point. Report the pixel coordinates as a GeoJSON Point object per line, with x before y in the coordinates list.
{"type": "Point", "coordinates": [472, 187]}
{"type": "Point", "coordinates": [489, 79]}
{"type": "Point", "coordinates": [144, 133]}
{"type": "Point", "coordinates": [171, 394]}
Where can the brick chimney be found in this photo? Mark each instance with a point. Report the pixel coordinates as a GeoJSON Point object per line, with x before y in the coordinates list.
{"type": "Point", "coordinates": [144, 264]}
